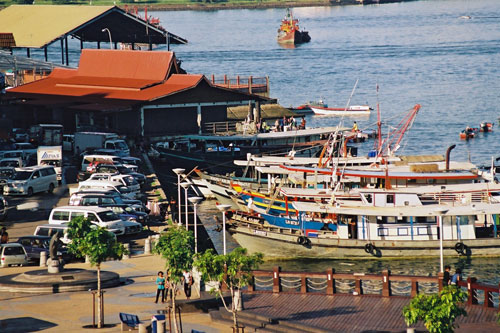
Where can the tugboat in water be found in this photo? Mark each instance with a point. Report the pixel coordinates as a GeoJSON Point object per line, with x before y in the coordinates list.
{"type": "Point", "coordinates": [289, 31]}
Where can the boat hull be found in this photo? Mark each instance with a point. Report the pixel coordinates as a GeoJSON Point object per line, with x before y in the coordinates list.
{"type": "Point", "coordinates": [293, 37]}
{"type": "Point", "coordinates": [363, 110]}
{"type": "Point", "coordinates": [276, 243]}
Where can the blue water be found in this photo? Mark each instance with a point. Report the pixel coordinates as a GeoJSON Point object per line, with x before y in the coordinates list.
{"type": "Point", "coordinates": [418, 52]}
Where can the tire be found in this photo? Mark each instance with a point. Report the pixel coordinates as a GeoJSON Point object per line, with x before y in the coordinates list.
{"type": "Point", "coordinates": [369, 248]}
{"type": "Point", "coordinates": [300, 240]}
{"type": "Point", "coordinates": [460, 248]}
{"type": "Point", "coordinates": [51, 188]}
{"type": "Point", "coordinates": [30, 191]}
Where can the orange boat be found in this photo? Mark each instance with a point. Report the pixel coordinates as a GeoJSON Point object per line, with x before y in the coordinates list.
{"type": "Point", "coordinates": [289, 31]}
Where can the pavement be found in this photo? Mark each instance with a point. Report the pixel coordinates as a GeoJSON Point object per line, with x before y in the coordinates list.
{"type": "Point", "coordinates": [72, 312]}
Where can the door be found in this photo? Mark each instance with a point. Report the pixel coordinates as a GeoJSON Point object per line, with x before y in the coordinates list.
{"type": "Point", "coordinates": [36, 181]}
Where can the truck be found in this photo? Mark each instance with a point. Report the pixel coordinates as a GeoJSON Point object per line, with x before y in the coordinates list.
{"type": "Point", "coordinates": [51, 155]}
{"type": "Point", "coordinates": [46, 134]}
{"type": "Point", "coordinates": [87, 140]}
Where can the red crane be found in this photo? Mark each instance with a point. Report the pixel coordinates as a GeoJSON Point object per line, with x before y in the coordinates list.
{"type": "Point", "coordinates": [393, 139]}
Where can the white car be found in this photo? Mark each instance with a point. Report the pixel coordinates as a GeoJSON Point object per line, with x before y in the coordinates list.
{"type": "Point", "coordinates": [125, 180]}
{"type": "Point", "coordinates": [107, 186]}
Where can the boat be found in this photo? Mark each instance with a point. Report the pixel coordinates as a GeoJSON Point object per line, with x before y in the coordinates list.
{"type": "Point", "coordinates": [289, 31]}
{"type": "Point", "coordinates": [352, 110]}
{"type": "Point", "coordinates": [397, 226]}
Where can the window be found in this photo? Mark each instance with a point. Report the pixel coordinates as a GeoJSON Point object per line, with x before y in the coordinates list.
{"type": "Point", "coordinates": [107, 201]}
{"type": "Point", "coordinates": [60, 216]}
{"type": "Point", "coordinates": [74, 215]}
{"type": "Point", "coordinates": [25, 242]}
{"type": "Point", "coordinates": [390, 198]}
{"type": "Point", "coordinates": [369, 198]}
{"type": "Point", "coordinates": [92, 217]}
{"type": "Point", "coordinates": [13, 251]}
{"type": "Point", "coordinates": [90, 201]}
{"type": "Point", "coordinates": [36, 174]}
{"type": "Point", "coordinates": [43, 232]}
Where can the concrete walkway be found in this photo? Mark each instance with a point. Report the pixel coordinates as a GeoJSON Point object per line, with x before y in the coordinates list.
{"type": "Point", "coordinates": [71, 312]}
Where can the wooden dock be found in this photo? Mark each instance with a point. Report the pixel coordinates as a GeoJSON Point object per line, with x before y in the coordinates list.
{"type": "Point", "coordinates": [339, 302]}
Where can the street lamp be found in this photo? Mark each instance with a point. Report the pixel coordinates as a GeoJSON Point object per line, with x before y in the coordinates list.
{"type": "Point", "coordinates": [441, 212]}
{"type": "Point", "coordinates": [195, 201]}
{"type": "Point", "coordinates": [223, 209]}
{"type": "Point", "coordinates": [178, 172]}
{"type": "Point", "coordinates": [185, 186]}
{"type": "Point", "coordinates": [109, 34]}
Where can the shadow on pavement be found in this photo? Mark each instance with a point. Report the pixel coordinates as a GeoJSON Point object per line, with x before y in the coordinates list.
{"type": "Point", "coordinates": [24, 324]}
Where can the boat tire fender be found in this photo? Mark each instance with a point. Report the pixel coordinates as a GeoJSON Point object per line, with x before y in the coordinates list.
{"type": "Point", "coordinates": [369, 248]}
{"type": "Point", "coordinates": [301, 240]}
{"type": "Point", "coordinates": [460, 248]}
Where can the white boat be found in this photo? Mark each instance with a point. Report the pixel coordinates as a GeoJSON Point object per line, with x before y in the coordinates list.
{"type": "Point", "coordinates": [352, 110]}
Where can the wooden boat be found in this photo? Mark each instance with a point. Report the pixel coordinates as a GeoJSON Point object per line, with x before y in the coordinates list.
{"type": "Point", "coordinates": [391, 228]}
{"type": "Point", "coordinates": [352, 110]}
{"type": "Point", "coordinates": [289, 31]}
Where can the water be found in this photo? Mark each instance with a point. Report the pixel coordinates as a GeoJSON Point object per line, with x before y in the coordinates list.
{"type": "Point", "coordinates": [417, 52]}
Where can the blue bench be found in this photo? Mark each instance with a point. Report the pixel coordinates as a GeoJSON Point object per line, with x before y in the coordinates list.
{"type": "Point", "coordinates": [130, 320]}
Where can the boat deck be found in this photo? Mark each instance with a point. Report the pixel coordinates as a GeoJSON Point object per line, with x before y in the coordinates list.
{"type": "Point", "coordinates": [347, 313]}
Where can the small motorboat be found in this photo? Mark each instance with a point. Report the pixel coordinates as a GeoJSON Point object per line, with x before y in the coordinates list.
{"type": "Point", "coordinates": [352, 110]}
{"type": "Point", "coordinates": [468, 133]}
{"type": "Point", "coordinates": [486, 127]}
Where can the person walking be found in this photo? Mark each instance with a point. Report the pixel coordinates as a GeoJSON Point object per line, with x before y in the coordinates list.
{"type": "Point", "coordinates": [4, 236]}
{"type": "Point", "coordinates": [160, 287]}
{"type": "Point", "coordinates": [188, 282]}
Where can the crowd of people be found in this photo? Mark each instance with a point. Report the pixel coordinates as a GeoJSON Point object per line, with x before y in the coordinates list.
{"type": "Point", "coordinates": [163, 286]}
{"type": "Point", "coordinates": [289, 124]}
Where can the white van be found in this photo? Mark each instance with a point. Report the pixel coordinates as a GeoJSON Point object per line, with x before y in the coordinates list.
{"type": "Point", "coordinates": [27, 181]}
{"type": "Point", "coordinates": [106, 186]}
{"type": "Point", "coordinates": [102, 217]}
{"type": "Point", "coordinates": [14, 162]}
{"type": "Point", "coordinates": [125, 180]}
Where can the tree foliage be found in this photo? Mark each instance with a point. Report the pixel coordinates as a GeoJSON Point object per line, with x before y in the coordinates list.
{"type": "Point", "coordinates": [176, 246]}
{"type": "Point", "coordinates": [437, 311]}
{"type": "Point", "coordinates": [234, 270]}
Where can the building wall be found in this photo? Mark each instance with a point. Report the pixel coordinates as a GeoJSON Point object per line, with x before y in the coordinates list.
{"type": "Point", "coordinates": [167, 121]}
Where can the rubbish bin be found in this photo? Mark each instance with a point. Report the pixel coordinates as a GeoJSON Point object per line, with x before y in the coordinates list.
{"type": "Point", "coordinates": [156, 321]}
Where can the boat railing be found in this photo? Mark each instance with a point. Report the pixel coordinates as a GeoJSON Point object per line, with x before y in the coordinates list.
{"type": "Point", "coordinates": [220, 127]}
{"type": "Point", "coordinates": [385, 284]}
{"type": "Point", "coordinates": [250, 84]}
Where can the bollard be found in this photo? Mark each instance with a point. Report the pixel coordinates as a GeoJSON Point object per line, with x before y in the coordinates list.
{"type": "Point", "coordinates": [142, 328]}
{"type": "Point", "coordinates": [410, 330]}
{"type": "Point", "coordinates": [43, 259]}
{"type": "Point", "coordinates": [87, 259]}
{"type": "Point", "coordinates": [147, 246]}
{"type": "Point", "coordinates": [127, 251]}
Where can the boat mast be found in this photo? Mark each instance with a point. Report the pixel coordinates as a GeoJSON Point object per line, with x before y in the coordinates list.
{"type": "Point", "coordinates": [379, 125]}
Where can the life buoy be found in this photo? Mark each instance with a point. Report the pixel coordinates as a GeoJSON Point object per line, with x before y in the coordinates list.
{"type": "Point", "coordinates": [369, 248]}
{"type": "Point", "coordinates": [460, 248]}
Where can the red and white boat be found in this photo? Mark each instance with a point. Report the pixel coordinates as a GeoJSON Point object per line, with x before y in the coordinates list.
{"type": "Point", "coordinates": [351, 110]}
{"type": "Point", "coordinates": [289, 31]}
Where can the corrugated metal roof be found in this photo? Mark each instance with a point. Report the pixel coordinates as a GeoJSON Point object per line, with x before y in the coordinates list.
{"type": "Point", "coordinates": [38, 25]}
{"type": "Point", "coordinates": [7, 40]}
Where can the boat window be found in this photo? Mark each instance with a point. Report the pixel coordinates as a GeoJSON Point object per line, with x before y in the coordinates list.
{"type": "Point", "coordinates": [369, 198]}
{"type": "Point", "coordinates": [390, 198]}
{"type": "Point", "coordinates": [426, 219]}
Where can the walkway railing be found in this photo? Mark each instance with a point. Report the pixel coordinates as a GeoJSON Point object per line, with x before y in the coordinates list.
{"type": "Point", "coordinates": [384, 284]}
{"type": "Point", "coordinates": [250, 84]}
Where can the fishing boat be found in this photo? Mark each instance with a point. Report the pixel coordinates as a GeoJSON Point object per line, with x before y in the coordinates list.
{"type": "Point", "coordinates": [352, 110]}
{"type": "Point", "coordinates": [289, 31]}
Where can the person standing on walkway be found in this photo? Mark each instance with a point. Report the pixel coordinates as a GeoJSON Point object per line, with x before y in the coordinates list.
{"type": "Point", "coordinates": [188, 282]}
{"type": "Point", "coordinates": [456, 277]}
{"type": "Point", "coordinates": [4, 236]}
{"type": "Point", "coordinates": [160, 287]}
{"type": "Point", "coordinates": [446, 276]}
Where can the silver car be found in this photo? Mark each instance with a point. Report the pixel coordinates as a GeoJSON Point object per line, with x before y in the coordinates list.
{"type": "Point", "coordinates": [12, 254]}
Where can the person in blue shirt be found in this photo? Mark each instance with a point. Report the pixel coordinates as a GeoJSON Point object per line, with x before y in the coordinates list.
{"type": "Point", "coordinates": [160, 287]}
{"type": "Point", "coordinates": [456, 277]}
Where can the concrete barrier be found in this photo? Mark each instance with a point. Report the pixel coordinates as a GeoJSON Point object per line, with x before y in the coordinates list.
{"type": "Point", "coordinates": [127, 250]}
{"type": "Point", "coordinates": [43, 259]}
{"type": "Point", "coordinates": [147, 246]}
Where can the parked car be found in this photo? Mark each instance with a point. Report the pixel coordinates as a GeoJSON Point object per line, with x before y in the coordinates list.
{"type": "Point", "coordinates": [126, 180]}
{"type": "Point", "coordinates": [12, 254]}
{"type": "Point", "coordinates": [27, 181]}
{"type": "Point", "coordinates": [6, 173]}
{"type": "Point", "coordinates": [13, 162]}
{"type": "Point", "coordinates": [35, 245]}
{"type": "Point", "coordinates": [107, 186]}
{"type": "Point", "coordinates": [127, 212]}
{"type": "Point", "coordinates": [50, 229]}
{"type": "Point", "coordinates": [102, 217]}
{"type": "Point", "coordinates": [97, 198]}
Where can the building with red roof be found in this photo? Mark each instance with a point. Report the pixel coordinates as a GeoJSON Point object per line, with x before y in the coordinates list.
{"type": "Point", "coordinates": [136, 93]}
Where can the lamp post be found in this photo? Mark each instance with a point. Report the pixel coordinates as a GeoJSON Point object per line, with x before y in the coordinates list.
{"type": "Point", "coordinates": [441, 212]}
{"type": "Point", "coordinates": [109, 34]}
{"type": "Point", "coordinates": [195, 201]}
{"type": "Point", "coordinates": [185, 186]}
{"type": "Point", "coordinates": [223, 209]}
{"type": "Point", "coordinates": [178, 172]}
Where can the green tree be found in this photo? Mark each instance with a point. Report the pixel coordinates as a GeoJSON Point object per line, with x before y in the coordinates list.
{"type": "Point", "coordinates": [437, 311]}
{"type": "Point", "coordinates": [176, 246]}
{"type": "Point", "coordinates": [98, 244]}
{"type": "Point", "coordinates": [233, 270]}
